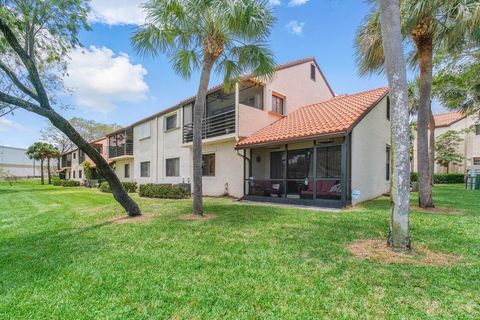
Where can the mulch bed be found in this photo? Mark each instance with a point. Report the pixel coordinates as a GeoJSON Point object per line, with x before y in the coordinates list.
{"type": "Point", "coordinates": [196, 217]}
{"type": "Point", "coordinates": [378, 250]}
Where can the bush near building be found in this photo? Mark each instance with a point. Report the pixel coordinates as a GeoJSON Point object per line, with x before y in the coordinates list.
{"type": "Point", "coordinates": [162, 191]}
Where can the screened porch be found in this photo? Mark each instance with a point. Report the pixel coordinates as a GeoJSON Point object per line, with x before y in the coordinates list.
{"type": "Point", "coordinates": [309, 173]}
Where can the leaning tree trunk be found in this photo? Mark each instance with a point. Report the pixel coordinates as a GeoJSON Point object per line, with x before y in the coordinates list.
{"type": "Point", "coordinates": [44, 109]}
{"type": "Point", "coordinates": [431, 145]}
{"type": "Point", "coordinates": [424, 44]}
{"type": "Point", "coordinates": [42, 178]}
{"type": "Point", "coordinates": [119, 192]}
{"type": "Point", "coordinates": [48, 171]}
{"type": "Point", "coordinates": [198, 110]}
{"type": "Point", "coordinates": [399, 234]}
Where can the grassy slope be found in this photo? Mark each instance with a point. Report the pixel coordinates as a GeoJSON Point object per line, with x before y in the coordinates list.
{"type": "Point", "coordinates": [61, 258]}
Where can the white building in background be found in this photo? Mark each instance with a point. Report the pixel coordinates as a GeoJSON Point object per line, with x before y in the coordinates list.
{"type": "Point", "coordinates": [469, 148]}
{"type": "Point", "coordinates": [15, 162]}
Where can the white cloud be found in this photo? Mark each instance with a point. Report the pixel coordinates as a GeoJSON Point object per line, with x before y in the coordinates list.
{"type": "Point", "coordinates": [99, 78]}
{"type": "Point", "coordinates": [7, 124]}
{"type": "Point", "coordinates": [296, 3]}
{"type": "Point", "coordinates": [275, 2]}
{"type": "Point", "coordinates": [295, 27]}
{"type": "Point", "coordinates": [115, 12]}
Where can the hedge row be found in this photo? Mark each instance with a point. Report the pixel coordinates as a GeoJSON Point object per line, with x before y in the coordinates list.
{"type": "Point", "coordinates": [68, 183]}
{"type": "Point", "coordinates": [442, 178]}
{"type": "Point", "coordinates": [129, 187]}
{"type": "Point", "coordinates": [161, 191]}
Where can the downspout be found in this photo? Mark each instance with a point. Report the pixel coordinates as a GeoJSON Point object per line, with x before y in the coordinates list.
{"type": "Point", "coordinates": [237, 111]}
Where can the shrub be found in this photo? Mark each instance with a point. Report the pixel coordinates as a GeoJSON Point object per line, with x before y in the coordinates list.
{"type": "Point", "coordinates": [161, 191]}
{"type": "Point", "coordinates": [129, 187]}
{"type": "Point", "coordinates": [413, 177]}
{"type": "Point", "coordinates": [56, 181]}
{"type": "Point", "coordinates": [70, 183]}
{"type": "Point", "coordinates": [441, 178]}
{"type": "Point", "coordinates": [104, 187]}
{"type": "Point", "coordinates": [448, 178]}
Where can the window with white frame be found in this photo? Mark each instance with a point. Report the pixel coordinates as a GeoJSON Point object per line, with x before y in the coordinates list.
{"type": "Point", "coordinates": [208, 165]}
{"type": "Point", "coordinates": [278, 104]}
{"type": "Point", "coordinates": [144, 131]}
{"type": "Point", "coordinates": [145, 169]}
{"type": "Point", "coordinates": [171, 122]}
{"type": "Point", "coordinates": [172, 167]}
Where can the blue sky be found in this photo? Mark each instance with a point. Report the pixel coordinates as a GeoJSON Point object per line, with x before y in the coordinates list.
{"type": "Point", "coordinates": [111, 83]}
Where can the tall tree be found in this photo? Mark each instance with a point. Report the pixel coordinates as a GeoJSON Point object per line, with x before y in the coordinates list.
{"type": "Point", "coordinates": [38, 151]}
{"type": "Point", "coordinates": [399, 233]}
{"type": "Point", "coordinates": [35, 38]}
{"type": "Point", "coordinates": [51, 153]}
{"type": "Point", "coordinates": [88, 129]}
{"type": "Point", "coordinates": [447, 148]}
{"type": "Point", "coordinates": [431, 25]}
{"type": "Point", "coordinates": [223, 35]}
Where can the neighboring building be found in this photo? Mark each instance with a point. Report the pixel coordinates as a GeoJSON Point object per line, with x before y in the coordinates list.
{"type": "Point", "coordinates": [469, 148]}
{"type": "Point", "coordinates": [71, 164]}
{"type": "Point", "coordinates": [15, 162]}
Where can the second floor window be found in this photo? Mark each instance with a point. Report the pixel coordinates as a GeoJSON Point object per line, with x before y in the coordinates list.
{"type": "Point", "coordinates": [171, 122]}
{"type": "Point", "coordinates": [313, 72]}
{"type": "Point", "coordinates": [74, 155]}
{"type": "Point", "coordinates": [477, 129]}
{"type": "Point", "coordinates": [144, 131]}
{"type": "Point", "coordinates": [172, 167]}
{"type": "Point", "coordinates": [278, 104]}
{"type": "Point", "coordinates": [388, 108]}
{"type": "Point", "coordinates": [476, 161]}
{"type": "Point", "coordinates": [145, 169]}
{"type": "Point", "coordinates": [208, 165]}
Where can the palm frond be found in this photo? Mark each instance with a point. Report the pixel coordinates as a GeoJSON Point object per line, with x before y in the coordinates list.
{"type": "Point", "coordinates": [368, 45]}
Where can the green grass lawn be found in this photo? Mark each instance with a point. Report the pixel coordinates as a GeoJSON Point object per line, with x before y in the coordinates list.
{"type": "Point", "coordinates": [61, 256]}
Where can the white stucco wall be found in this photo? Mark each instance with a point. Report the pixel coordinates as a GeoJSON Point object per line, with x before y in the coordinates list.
{"type": "Point", "coordinates": [369, 140]}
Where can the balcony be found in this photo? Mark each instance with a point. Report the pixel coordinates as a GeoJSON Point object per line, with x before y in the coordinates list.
{"type": "Point", "coordinates": [66, 161]}
{"type": "Point", "coordinates": [121, 150]}
{"type": "Point", "coordinates": [121, 144]}
{"type": "Point", "coordinates": [214, 126]}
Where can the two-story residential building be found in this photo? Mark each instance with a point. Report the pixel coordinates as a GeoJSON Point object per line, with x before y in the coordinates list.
{"type": "Point", "coordinates": [71, 162]}
{"type": "Point", "coordinates": [350, 135]}
{"type": "Point", "coordinates": [469, 148]}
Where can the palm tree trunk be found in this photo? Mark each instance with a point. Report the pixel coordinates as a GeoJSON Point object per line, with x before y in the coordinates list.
{"type": "Point", "coordinates": [48, 171]}
{"type": "Point", "coordinates": [399, 234]}
{"type": "Point", "coordinates": [431, 144]}
{"type": "Point", "coordinates": [42, 179]}
{"type": "Point", "coordinates": [424, 48]}
{"type": "Point", "coordinates": [198, 111]}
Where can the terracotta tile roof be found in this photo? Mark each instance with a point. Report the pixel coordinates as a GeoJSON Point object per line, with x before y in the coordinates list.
{"type": "Point", "coordinates": [446, 119]}
{"type": "Point", "coordinates": [335, 116]}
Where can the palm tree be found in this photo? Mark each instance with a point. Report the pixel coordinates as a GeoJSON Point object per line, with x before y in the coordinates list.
{"type": "Point", "coordinates": [430, 25]}
{"type": "Point", "coordinates": [222, 35]}
{"type": "Point", "coordinates": [52, 153]}
{"type": "Point", "coordinates": [399, 233]}
{"type": "Point", "coordinates": [39, 151]}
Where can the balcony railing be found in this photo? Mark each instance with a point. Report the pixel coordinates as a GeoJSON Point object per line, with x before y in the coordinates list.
{"type": "Point", "coordinates": [122, 150]}
{"type": "Point", "coordinates": [214, 126]}
{"type": "Point", "coordinates": [66, 163]}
